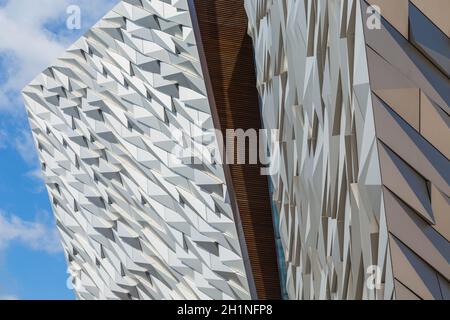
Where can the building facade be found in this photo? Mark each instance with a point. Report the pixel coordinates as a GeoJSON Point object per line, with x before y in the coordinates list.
{"type": "Point", "coordinates": [131, 121]}
{"type": "Point", "coordinates": [359, 91]}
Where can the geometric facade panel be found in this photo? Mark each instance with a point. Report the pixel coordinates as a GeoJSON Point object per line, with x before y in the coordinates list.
{"type": "Point", "coordinates": [364, 120]}
{"type": "Point", "coordinates": [115, 120]}
{"type": "Point", "coordinates": [313, 79]}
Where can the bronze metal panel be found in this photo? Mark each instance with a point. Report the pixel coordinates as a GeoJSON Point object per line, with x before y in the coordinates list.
{"type": "Point", "coordinates": [403, 293]}
{"type": "Point", "coordinates": [411, 147]}
{"type": "Point", "coordinates": [417, 234]}
{"type": "Point", "coordinates": [435, 125]}
{"type": "Point", "coordinates": [396, 12]}
{"type": "Point", "coordinates": [394, 88]}
{"type": "Point", "coordinates": [414, 143]}
{"type": "Point", "coordinates": [431, 41]}
{"type": "Point", "coordinates": [414, 272]}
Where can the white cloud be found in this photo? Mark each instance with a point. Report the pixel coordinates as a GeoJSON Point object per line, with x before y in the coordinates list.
{"type": "Point", "coordinates": [24, 145]}
{"type": "Point", "coordinates": [27, 47]}
{"type": "Point", "coordinates": [35, 174]}
{"type": "Point", "coordinates": [3, 139]}
{"type": "Point", "coordinates": [36, 235]}
{"type": "Point", "coordinates": [8, 297]}
{"type": "Point", "coordinates": [38, 178]}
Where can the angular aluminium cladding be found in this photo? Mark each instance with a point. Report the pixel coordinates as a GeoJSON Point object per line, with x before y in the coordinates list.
{"type": "Point", "coordinates": [314, 85]}
{"type": "Point", "coordinates": [365, 129]}
{"type": "Point", "coordinates": [111, 118]}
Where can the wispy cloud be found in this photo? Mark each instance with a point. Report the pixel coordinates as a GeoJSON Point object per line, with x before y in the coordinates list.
{"type": "Point", "coordinates": [36, 235]}
{"type": "Point", "coordinates": [38, 179]}
{"type": "Point", "coordinates": [28, 44]}
{"type": "Point", "coordinates": [3, 139]}
{"type": "Point", "coordinates": [24, 145]}
{"type": "Point", "coordinates": [35, 174]}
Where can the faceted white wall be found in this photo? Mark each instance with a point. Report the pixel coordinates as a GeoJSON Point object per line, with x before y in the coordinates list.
{"type": "Point", "coordinates": [115, 120]}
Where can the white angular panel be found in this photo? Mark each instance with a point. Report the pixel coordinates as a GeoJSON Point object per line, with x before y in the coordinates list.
{"type": "Point", "coordinates": [113, 119]}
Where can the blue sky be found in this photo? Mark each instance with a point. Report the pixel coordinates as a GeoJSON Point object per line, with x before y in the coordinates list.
{"type": "Point", "coordinates": [32, 34]}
